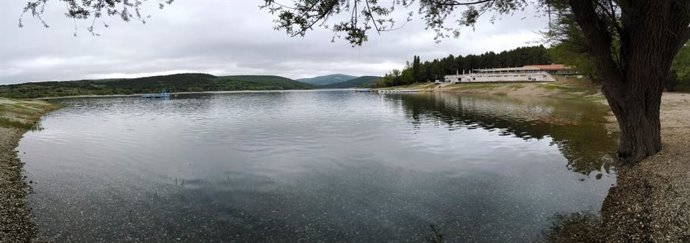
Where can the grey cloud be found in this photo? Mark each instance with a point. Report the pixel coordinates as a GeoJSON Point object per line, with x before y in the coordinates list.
{"type": "Point", "coordinates": [223, 37]}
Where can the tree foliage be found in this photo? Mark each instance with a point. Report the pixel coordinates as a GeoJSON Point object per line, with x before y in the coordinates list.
{"type": "Point", "coordinates": [93, 10]}
{"type": "Point", "coordinates": [355, 19]}
{"type": "Point", "coordinates": [681, 64]}
{"type": "Point", "coordinates": [568, 44]}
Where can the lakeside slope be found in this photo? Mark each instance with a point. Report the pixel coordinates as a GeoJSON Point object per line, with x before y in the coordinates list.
{"type": "Point", "coordinates": [563, 88]}
{"type": "Point", "coordinates": [16, 118]}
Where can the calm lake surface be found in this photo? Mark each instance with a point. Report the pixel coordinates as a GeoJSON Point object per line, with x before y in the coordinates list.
{"type": "Point", "coordinates": [314, 166]}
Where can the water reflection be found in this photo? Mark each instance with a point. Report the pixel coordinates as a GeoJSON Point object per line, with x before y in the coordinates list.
{"type": "Point", "coordinates": [576, 128]}
{"type": "Point", "coordinates": [306, 166]}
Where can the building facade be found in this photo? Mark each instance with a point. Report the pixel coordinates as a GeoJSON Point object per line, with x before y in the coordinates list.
{"type": "Point", "coordinates": [529, 73]}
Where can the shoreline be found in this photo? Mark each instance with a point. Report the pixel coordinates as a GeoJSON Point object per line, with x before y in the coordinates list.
{"type": "Point", "coordinates": [574, 89]}
{"type": "Point", "coordinates": [651, 200]}
{"type": "Point", "coordinates": [205, 92]}
{"type": "Point", "coordinates": [16, 118]}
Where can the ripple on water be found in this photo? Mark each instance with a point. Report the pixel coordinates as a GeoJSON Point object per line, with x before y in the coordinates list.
{"type": "Point", "coordinates": [310, 166]}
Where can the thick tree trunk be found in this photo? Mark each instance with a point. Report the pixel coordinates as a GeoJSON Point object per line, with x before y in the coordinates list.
{"type": "Point", "coordinates": [638, 120]}
{"type": "Point", "coordinates": [649, 34]}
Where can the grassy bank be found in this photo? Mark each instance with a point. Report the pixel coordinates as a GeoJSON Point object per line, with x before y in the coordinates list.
{"type": "Point", "coordinates": [16, 118]}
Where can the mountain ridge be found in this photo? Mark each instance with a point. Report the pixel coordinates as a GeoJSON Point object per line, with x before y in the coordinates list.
{"type": "Point", "coordinates": [181, 82]}
{"type": "Point", "coordinates": [359, 82]}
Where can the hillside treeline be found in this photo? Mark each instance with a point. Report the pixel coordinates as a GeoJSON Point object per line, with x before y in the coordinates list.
{"type": "Point", "coordinates": [418, 71]}
{"type": "Point", "coordinates": [188, 82]}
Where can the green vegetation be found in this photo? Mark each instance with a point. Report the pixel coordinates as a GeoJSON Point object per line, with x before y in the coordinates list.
{"type": "Point", "coordinates": [16, 117]}
{"type": "Point", "coordinates": [22, 114]}
{"type": "Point", "coordinates": [11, 123]}
{"type": "Point", "coordinates": [190, 82]}
{"type": "Point", "coordinates": [679, 79]}
{"type": "Point", "coordinates": [427, 71]}
{"type": "Point", "coordinates": [361, 82]}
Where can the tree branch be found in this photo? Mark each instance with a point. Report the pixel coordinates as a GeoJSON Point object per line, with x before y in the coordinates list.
{"type": "Point", "coordinates": [456, 3]}
{"type": "Point", "coordinates": [600, 40]}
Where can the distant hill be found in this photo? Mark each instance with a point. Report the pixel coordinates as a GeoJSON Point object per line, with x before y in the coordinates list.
{"type": "Point", "coordinates": [266, 82]}
{"type": "Point", "coordinates": [327, 79]}
{"type": "Point", "coordinates": [361, 82]}
{"type": "Point", "coordinates": [186, 82]}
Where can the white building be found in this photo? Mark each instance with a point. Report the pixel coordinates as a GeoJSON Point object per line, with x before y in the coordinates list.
{"type": "Point", "coordinates": [531, 73]}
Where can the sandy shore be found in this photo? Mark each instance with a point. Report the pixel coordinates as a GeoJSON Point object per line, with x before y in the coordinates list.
{"type": "Point", "coordinates": [16, 117]}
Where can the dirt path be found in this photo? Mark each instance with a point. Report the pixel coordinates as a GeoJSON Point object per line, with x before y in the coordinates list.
{"type": "Point", "coordinates": [16, 117]}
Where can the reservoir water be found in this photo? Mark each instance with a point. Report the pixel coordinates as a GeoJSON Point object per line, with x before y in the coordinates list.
{"type": "Point", "coordinates": [314, 166]}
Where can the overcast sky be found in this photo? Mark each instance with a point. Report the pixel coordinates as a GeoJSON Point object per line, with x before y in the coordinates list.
{"type": "Point", "coordinates": [224, 37]}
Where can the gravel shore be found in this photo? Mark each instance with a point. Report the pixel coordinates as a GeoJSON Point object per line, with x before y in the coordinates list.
{"type": "Point", "coordinates": [651, 201]}
{"type": "Point", "coordinates": [16, 117]}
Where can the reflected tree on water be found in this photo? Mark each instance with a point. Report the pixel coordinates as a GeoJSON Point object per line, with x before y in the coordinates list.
{"type": "Point", "coordinates": [578, 131]}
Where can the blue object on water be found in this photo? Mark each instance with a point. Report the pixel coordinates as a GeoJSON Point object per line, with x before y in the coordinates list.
{"type": "Point", "coordinates": [162, 95]}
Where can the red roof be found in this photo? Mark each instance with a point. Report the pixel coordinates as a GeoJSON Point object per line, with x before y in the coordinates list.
{"type": "Point", "coordinates": [550, 67]}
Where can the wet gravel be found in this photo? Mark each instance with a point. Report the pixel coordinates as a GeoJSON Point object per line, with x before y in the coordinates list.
{"type": "Point", "coordinates": [15, 215]}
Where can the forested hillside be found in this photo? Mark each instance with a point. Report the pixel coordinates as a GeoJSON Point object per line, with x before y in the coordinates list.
{"type": "Point", "coordinates": [425, 71]}
{"type": "Point", "coordinates": [189, 82]}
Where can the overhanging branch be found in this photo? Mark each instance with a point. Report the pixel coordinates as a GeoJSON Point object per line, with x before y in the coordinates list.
{"type": "Point", "coordinates": [600, 40]}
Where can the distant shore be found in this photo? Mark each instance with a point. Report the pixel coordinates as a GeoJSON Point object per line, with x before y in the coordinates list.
{"type": "Point", "coordinates": [204, 92]}
{"type": "Point", "coordinates": [563, 88]}
{"type": "Point", "coordinates": [16, 118]}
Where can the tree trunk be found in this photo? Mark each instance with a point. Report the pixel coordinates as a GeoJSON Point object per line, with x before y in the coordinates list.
{"type": "Point", "coordinates": [649, 34]}
{"type": "Point", "coordinates": [636, 102]}
{"type": "Point", "coordinates": [638, 119]}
